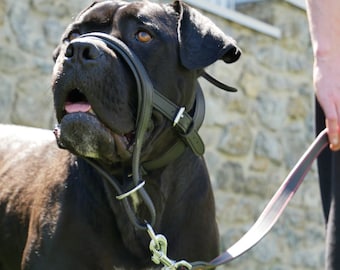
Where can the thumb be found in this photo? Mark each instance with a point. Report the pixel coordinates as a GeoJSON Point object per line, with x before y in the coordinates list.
{"type": "Point", "coordinates": [333, 133]}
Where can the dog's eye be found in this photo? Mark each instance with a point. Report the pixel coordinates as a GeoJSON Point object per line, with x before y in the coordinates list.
{"type": "Point", "coordinates": [143, 36]}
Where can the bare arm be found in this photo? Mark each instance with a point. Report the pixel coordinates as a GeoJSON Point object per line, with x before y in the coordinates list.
{"type": "Point", "coordinates": [324, 24]}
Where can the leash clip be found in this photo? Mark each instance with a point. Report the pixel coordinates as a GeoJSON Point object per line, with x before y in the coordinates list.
{"type": "Point", "coordinates": [178, 116]}
{"type": "Point", "coordinates": [158, 246]}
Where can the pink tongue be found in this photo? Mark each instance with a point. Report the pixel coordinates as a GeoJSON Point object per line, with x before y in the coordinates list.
{"type": "Point", "coordinates": [77, 107]}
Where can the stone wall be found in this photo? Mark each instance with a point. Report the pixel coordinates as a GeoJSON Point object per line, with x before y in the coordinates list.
{"type": "Point", "coordinates": [253, 137]}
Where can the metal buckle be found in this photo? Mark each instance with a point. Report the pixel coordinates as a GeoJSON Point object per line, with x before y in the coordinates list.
{"type": "Point", "coordinates": [178, 116]}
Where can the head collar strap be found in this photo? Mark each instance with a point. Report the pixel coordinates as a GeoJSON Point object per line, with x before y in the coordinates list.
{"type": "Point", "coordinates": [217, 83]}
{"type": "Point", "coordinates": [148, 98]}
{"type": "Point", "coordinates": [186, 125]}
{"type": "Point", "coordinates": [145, 100]}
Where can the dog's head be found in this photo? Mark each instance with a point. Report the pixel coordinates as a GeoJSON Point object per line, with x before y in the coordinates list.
{"type": "Point", "coordinates": [95, 91]}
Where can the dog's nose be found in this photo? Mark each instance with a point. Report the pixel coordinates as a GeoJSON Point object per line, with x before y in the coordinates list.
{"type": "Point", "coordinates": [82, 51]}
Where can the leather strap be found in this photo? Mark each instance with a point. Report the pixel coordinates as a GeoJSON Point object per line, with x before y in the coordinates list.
{"type": "Point", "coordinates": [187, 128]}
{"type": "Point", "coordinates": [186, 125]}
{"type": "Point", "coordinates": [145, 100]}
{"type": "Point", "coordinates": [274, 208]}
{"type": "Point", "coordinates": [217, 83]}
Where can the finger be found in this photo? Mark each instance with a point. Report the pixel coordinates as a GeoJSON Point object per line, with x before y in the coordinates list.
{"type": "Point", "coordinates": [333, 133]}
{"type": "Point", "coordinates": [336, 147]}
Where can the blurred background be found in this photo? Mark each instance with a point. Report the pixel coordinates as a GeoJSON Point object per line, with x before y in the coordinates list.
{"type": "Point", "coordinates": [253, 137]}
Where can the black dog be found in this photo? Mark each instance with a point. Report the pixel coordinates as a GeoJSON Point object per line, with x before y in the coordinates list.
{"type": "Point", "coordinates": [57, 210]}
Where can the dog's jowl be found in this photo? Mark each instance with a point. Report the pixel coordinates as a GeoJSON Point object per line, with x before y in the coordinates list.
{"type": "Point", "coordinates": [58, 208]}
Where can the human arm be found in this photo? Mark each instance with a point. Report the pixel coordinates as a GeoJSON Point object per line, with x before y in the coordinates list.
{"type": "Point", "coordinates": [324, 24]}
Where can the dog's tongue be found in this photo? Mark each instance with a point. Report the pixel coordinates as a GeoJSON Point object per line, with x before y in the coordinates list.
{"type": "Point", "coordinates": [77, 107]}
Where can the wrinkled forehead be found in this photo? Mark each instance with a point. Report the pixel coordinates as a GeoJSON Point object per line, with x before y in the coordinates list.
{"type": "Point", "coordinates": [100, 11]}
{"type": "Point", "coordinates": [144, 11]}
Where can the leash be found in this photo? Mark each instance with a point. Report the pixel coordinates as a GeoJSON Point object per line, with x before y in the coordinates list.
{"type": "Point", "coordinates": [265, 222]}
{"type": "Point", "coordinates": [274, 208]}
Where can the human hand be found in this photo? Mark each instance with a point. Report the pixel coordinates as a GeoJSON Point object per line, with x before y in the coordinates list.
{"type": "Point", "coordinates": [327, 89]}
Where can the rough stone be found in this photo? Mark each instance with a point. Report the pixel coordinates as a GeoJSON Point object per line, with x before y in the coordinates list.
{"type": "Point", "coordinates": [25, 110]}
{"type": "Point", "coordinates": [2, 11]}
{"type": "Point", "coordinates": [236, 139]}
{"type": "Point", "coordinates": [272, 110]}
{"type": "Point", "coordinates": [7, 93]}
{"type": "Point", "coordinates": [266, 145]}
{"type": "Point", "coordinates": [230, 176]}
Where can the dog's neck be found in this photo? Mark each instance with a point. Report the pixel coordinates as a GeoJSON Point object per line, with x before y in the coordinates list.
{"type": "Point", "coordinates": [181, 135]}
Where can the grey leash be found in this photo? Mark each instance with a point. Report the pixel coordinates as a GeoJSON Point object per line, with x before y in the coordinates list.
{"type": "Point", "coordinates": [274, 208]}
{"type": "Point", "coordinates": [261, 227]}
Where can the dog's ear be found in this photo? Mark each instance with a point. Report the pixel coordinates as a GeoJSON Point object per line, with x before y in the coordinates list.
{"type": "Point", "coordinates": [201, 41]}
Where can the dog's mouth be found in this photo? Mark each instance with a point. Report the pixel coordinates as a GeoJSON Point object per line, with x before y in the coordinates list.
{"type": "Point", "coordinates": [76, 101]}
{"type": "Point", "coordinates": [83, 132]}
